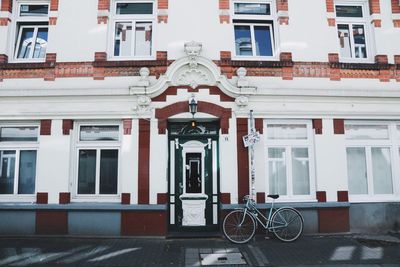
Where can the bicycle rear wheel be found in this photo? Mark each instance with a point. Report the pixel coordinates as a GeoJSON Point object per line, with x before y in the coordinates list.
{"type": "Point", "coordinates": [239, 227]}
{"type": "Point", "coordinates": [287, 224]}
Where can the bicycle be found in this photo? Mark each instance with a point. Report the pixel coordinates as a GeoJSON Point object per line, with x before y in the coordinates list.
{"type": "Point", "coordinates": [239, 225]}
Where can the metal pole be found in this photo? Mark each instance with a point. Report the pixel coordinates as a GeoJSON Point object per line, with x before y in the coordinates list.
{"type": "Point", "coordinates": [252, 168]}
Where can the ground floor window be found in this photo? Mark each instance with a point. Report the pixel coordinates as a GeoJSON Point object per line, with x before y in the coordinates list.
{"type": "Point", "coordinates": [290, 166]}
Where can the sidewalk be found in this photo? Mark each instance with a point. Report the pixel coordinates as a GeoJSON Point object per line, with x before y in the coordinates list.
{"type": "Point", "coordinates": [335, 250]}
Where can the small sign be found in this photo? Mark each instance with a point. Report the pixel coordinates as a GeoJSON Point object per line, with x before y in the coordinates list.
{"type": "Point", "coordinates": [251, 139]}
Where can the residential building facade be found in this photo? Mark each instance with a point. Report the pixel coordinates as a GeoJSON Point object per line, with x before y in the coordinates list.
{"type": "Point", "coordinates": [97, 136]}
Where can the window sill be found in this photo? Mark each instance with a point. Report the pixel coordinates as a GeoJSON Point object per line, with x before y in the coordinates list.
{"type": "Point", "coordinates": [373, 199]}
{"type": "Point", "coordinates": [255, 58]}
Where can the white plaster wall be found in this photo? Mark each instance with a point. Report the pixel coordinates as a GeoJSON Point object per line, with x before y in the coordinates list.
{"type": "Point", "coordinates": [331, 165]}
{"type": "Point", "coordinates": [308, 35]}
{"type": "Point", "coordinates": [228, 162]}
{"type": "Point", "coordinates": [158, 162]}
{"type": "Point", "coordinates": [53, 162]}
{"type": "Point", "coordinates": [260, 161]}
{"type": "Point", "coordinates": [128, 165]}
{"type": "Point", "coordinates": [77, 36]}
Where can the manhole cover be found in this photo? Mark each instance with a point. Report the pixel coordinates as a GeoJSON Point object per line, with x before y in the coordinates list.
{"type": "Point", "coordinates": [222, 259]}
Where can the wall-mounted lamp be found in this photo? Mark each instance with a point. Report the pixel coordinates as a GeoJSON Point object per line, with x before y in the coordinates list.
{"type": "Point", "coordinates": [192, 106]}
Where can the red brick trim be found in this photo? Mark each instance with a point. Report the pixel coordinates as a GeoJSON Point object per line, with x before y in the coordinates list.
{"type": "Point", "coordinates": [374, 9]}
{"type": "Point", "coordinates": [397, 71]}
{"type": "Point", "coordinates": [334, 72]}
{"type": "Point", "coordinates": [396, 10]}
{"type": "Point", "coordinates": [259, 125]}
{"type": "Point", "coordinates": [283, 6]}
{"type": "Point", "coordinates": [144, 162]}
{"type": "Point", "coordinates": [330, 8]}
{"type": "Point", "coordinates": [54, 5]}
{"type": "Point", "coordinates": [242, 158]}
{"type": "Point", "coordinates": [42, 198]}
{"type": "Point", "coordinates": [317, 125]}
{"type": "Point", "coordinates": [321, 196]}
{"type": "Point", "coordinates": [260, 197]}
{"type": "Point", "coordinates": [67, 126]}
{"type": "Point", "coordinates": [140, 223]}
{"type": "Point", "coordinates": [225, 64]}
{"type": "Point", "coordinates": [3, 58]}
{"type": "Point", "coordinates": [103, 5]}
{"type": "Point", "coordinates": [162, 198]}
{"type": "Point", "coordinates": [125, 198]}
{"type": "Point", "coordinates": [338, 126]}
{"type": "Point", "coordinates": [287, 69]}
{"type": "Point", "coordinates": [163, 114]}
{"type": "Point", "coordinates": [6, 5]}
{"type": "Point", "coordinates": [213, 90]}
{"type": "Point", "coordinates": [127, 124]}
{"type": "Point", "coordinates": [225, 198]}
{"type": "Point", "coordinates": [333, 220]}
{"type": "Point", "coordinates": [343, 196]}
{"type": "Point", "coordinates": [162, 5]}
{"type": "Point", "coordinates": [45, 127]}
{"type": "Point", "coordinates": [64, 198]}
{"type": "Point", "coordinates": [51, 222]}
{"type": "Point", "coordinates": [4, 21]}
{"type": "Point", "coordinates": [384, 71]}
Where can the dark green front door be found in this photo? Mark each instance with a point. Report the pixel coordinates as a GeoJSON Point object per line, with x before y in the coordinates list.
{"type": "Point", "coordinates": [193, 182]}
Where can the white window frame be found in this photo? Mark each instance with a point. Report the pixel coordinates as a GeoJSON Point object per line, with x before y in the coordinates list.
{"type": "Point", "coordinates": [393, 143]}
{"type": "Point", "coordinates": [288, 144]}
{"type": "Point", "coordinates": [368, 31]}
{"type": "Point", "coordinates": [115, 18]}
{"type": "Point", "coordinates": [29, 22]}
{"type": "Point", "coordinates": [267, 18]}
{"type": "Point", "coordinates": [18, 147]}
{"type": "Point", "coordinates": [98, 146]}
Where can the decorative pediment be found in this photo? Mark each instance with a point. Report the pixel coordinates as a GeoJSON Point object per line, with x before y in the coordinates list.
{"type": "Point", "coordinates": [193, 77]}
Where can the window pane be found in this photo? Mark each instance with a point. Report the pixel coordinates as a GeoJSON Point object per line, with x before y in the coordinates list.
{"type": "Point", "coordinates": [300, 171]}
{"type": "Point", "coordinates": [349, 11]}
{"type": "Point", "coordinates": [41, 43]}
{"type": "Point", "coordinates": [252, 9]}
{"type": "Point", "coordinates": [143, 34]}
{"type": "Point", "coordinates": [243, 41]}
{"type": "Point", "coordinates": [18, 134]}
{"type": "Point", "coordinates": [26, 42]}
{"type": "Point", "coordinates": [359, 41]}
{"type": "Point", "coordinates": [357, 170]}
{"type": "Point", "coordinates": [34, 10]}
{"type": "Point", "coordinates": [344, 40]}
{"type": "Point", "coordinates": [7, 168]}
{"type": "Point", "coordinates": [354, 131]}
{"type": "Point", "coordinates": [123, 39]}
{"type": "Point", "coordinates": [108, 172]}
{"type": "Point", "coordinates": [287, 131]}
{"type": "Point", "coordinates": [382, 170]}
{"type": "Point", "coordinates": [27, 172]}
{"type": "Point", "coordinates": [277, 171]}
{"type": "Point", "coordinates": [99, 133]}
{"type": "Point", "coordinates": [87, 172]}
{"type": "Point", "coordinates": [134, 8]}
{"type": "Point", "coordinates": [263, 40]}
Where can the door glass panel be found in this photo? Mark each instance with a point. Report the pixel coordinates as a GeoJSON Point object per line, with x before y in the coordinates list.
{"type": "Point", "coordinates": [287, 131]}
{"type": "Point", "coordinates": [362, 132]}
{"type": "Point", "coordinates": [300, 171]}
{"type": "Point", "coordinates": [27, 172]}
{"type": "Point", "coordinates": [277, 171]}
{"type": "Point", "coordinates": [99, 133]}
{"type": "Point", "coordinates": [382, 170]}
{"type": "Point", "coordinates": [108, 172]}
{"type": "Point", "coordinates": [7, 168]}
{"type": "Point", "coordinates": [87, 172]}
{"type": "Point", "coordinates": [193, 173]}
{"type": "Point", "coordinates": [357, 170]}
{"type": "Point", "coordinates": [18, 134]}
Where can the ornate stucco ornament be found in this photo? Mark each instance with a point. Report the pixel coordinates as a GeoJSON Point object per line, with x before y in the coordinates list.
{"type": "Point", "coordinates": [242, 101]}
{"type": "Point", "coordinates": [193, 50]}
{"type": "Point", "coordinates": [144, 77]}
{"type": "Point", "coordinates": [242, 80]}
{"type": "Point", "coordinates": [143, 101]}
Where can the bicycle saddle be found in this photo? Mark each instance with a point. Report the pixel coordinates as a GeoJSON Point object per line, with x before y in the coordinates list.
{"type": "Point", "coordinates": [273, 196]}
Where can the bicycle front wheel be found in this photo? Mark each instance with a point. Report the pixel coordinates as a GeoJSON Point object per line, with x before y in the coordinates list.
{"type": "Point", "coordinates": [287, 224]}
{"type": "Point", "coordinates": [239, 227]}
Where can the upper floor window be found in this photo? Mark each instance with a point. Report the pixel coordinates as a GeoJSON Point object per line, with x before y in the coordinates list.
{"type": "Point", "coordinates": [18, 151]}
{"type": "Point", "coordinates": [31, 31]}
{"type": "Point", "coordinates": [254, 29]}
{"type": "Point", "coordinates": [353, 30]}
{"type": "Point", "coordinates": [290, 154]}
{"type": "Point", "coordinates": [133, 29]}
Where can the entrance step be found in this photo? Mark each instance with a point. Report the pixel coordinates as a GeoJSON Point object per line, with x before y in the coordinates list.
{"type": "Point", "coordinates": [194, 234]}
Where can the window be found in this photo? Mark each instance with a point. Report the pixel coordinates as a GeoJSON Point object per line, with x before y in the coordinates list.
{"type": "Point", "coordinates": [371, 157]}
{"type": "Point", "coordinates": [18, 153]}
{"type": "Point", "coordinates": [353, 30]}
{"type": "Point", "coordinates": [31, 31]}
{"type": "Point", "coordinates": [290, 165]}
{"type": "Point", "coordinates": [133, 29]}
{"type": "Point", "coordinates": [254, 29]}
{"type": "Point", "coordinates": [98, 159]}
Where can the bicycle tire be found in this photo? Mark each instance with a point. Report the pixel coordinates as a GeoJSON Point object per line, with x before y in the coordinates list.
{"type": "Point", "coordinates": [236, 232]}
{"type": "Point", "coordinates": [287, 224]}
